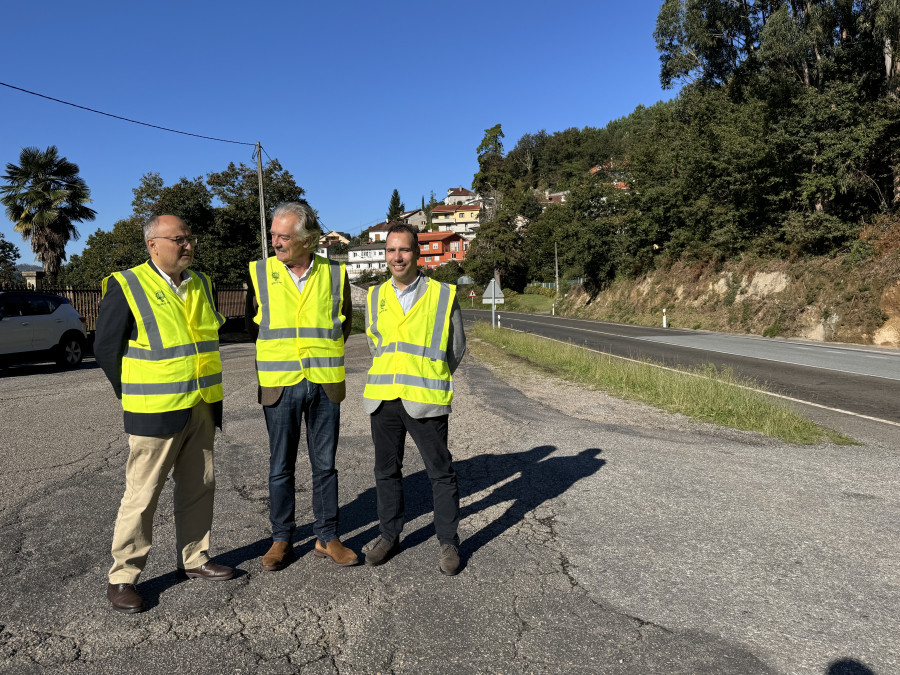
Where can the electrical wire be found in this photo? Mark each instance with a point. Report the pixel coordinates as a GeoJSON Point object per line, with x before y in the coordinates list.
{"type": "Point", "coordinates": [125, 119]}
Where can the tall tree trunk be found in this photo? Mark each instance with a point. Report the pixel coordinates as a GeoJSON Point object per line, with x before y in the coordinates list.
{"type": "Point", "coordinates": [896, 170]}
{"type": "Point", "coordinates": [891, 69]}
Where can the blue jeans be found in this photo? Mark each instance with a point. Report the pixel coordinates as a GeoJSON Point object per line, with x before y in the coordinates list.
{"type": "Point", "coordinates": [303, 401]}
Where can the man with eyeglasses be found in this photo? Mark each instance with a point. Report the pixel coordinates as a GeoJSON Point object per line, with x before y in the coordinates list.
{"type": "Point", "coordinates": [300, 314]}
{"type": "Point", "coordinates": [157, 340]}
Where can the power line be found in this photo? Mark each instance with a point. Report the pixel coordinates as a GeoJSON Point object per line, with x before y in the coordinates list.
{"type": "Point", "coordinates": [125, 119]}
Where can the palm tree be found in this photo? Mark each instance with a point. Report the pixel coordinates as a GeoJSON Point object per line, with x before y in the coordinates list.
{"type": "Point", "coordinates": [44, 196]}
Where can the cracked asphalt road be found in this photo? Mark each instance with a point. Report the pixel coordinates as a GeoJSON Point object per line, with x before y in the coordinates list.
{"type": "Point", "coordinates": [598, 537]}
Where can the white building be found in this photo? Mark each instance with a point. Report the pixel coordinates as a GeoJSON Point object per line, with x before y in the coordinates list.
{"type": "Point", "coordinates": [460, 195]}
{"type": "Point", "coordinates": [366, 258]}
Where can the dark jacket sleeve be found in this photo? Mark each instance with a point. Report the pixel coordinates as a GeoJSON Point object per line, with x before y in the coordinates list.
{"type": "Point", "coordinates": [115, 326]}
{"type": "Point", "coordinates": [250, 310]}
{"type": "Point", "coordinates": [456, 343]}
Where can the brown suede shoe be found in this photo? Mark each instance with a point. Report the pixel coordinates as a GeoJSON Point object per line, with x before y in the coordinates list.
{"type": "Point", "coordinates": [279, 555]}
{"type": "Point", "coordinates": [340, 555]}
{"type": "Point", "coordinates": [448, 563]}
{"type": "Point", "coordinates": [124, 598]}
{"type": "Point", "coordinates": [211, 571]}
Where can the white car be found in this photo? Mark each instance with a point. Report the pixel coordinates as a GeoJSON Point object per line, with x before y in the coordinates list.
{"type": "Point", "coordinates": [36, 326]}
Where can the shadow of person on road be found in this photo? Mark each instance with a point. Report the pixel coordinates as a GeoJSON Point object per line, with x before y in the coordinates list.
{"type": "Point", "coordinates": [848, 667]}
{"type": "Point", "coordinates": [527, 479]}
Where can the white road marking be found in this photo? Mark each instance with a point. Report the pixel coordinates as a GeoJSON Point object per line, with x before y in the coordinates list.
{"type": "Point", "coordinates": [682, 372]}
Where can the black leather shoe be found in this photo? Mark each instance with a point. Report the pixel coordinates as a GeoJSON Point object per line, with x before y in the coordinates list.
{"type": "Point", "coordinates": [124, 598]}
{"type": "Point", "coordinates": [211, 571]}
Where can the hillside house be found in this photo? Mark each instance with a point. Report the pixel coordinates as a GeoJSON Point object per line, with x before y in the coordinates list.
{"type": "Point", "coordinates": [459, 218]}
{"type": "Point", "coordinates": [458, 196]}
{"type": "Point", "coordinates": [438, 248]}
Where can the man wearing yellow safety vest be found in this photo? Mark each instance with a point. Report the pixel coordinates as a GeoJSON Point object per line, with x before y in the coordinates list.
{"type": "Point", "coordinates": [301, 315]}
{"type": "Point", "coordinates": [157, 340]}
{"type": "Point", "coordinates": [415, 333]}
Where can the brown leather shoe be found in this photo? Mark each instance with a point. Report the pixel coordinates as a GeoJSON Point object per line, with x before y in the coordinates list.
{"type": "Point", "coordinates": [210, 570]}
{"type": "Point", "coordinates": [278, 557]}
{"type": "Point", "coordinates": [340, 555]}
{"type": "Point", "coordinates": [124, 598]}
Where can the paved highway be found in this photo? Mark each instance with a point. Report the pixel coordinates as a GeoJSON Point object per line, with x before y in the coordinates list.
{"type": "Point", "coordinates": [859, 379]}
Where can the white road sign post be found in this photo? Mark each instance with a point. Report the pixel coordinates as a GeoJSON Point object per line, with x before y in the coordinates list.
{"type": "Point", "coordinates": [493, 296]}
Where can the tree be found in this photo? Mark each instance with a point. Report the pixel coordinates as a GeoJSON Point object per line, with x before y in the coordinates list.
{"type": "Point", "coordinates": [395, 207]}
{"type": "Point", "coordinates": [492, 143]}
{"type": "Point", "coordinates": [496, 253]}
{"type": "Point", "coordinates": [107, 252]}
{"type": "Point", "coordinates": [233, 240]}
{"type": "Point", "coordinates": [222, 211]}
{"type": "Point", "coordinates": [492, 179]}
{"type": "Point", "coordinates": [448, 272]}
{"type": "Point", "coordinates": [45, 197]}
{"type": "Point", "coordinates": [706, 41]}
{"type": "Point", "coordinates": [429, 207]}
{"type": "Point", "coordinates": [8, 256]}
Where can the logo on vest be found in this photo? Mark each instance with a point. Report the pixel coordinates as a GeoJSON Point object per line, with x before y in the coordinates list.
{"type": "Point", "coordinates": [276, 277]}
{"type": "Point", "coordinates": [382, 306]}
{"type": "Point", "coordinates": [160, 297]}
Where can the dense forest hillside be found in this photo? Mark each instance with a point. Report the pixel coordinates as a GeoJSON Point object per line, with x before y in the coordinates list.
{"type": "Point", "coordinates": [781, 151]}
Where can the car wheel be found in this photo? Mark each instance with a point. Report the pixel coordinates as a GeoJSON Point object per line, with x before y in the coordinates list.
{"type": "Point", "coordinates": [70, 350]}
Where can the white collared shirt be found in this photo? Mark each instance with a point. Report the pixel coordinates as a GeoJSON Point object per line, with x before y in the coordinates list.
{"type": "Point", "coordinates": [301, 280]}
{"type": "Point", "coordinates": [407, 295]}
{"type": "Point", "coordinates": [181, 289]}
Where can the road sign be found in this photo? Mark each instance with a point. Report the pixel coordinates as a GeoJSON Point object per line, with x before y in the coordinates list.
{"type": "Point", "coordinates": [472, 293]}
{"type": "Point", "coordinates": [493, 294]}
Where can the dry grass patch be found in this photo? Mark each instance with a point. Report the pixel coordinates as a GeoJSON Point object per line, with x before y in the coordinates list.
{"type": "Point", "coordinates": [709, 395]}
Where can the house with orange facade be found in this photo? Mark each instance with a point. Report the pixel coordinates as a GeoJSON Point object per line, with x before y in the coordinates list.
{"type": "Point", "coordinates": [438, 248]}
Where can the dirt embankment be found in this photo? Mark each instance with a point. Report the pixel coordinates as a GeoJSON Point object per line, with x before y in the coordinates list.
{"type": "Point", "coordinates": [839, 299]}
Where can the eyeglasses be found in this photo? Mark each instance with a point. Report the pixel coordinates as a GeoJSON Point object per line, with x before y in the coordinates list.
{"type": "Point", "coordinates": [181, 241]}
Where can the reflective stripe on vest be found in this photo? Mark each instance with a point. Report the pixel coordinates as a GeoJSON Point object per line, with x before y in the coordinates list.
{"type": "Point", "coordinates": [402, 368]}
{"type": "Point", "coordinates": [286, 354]}
{"type": "Point", "coordinates": [173, 364]}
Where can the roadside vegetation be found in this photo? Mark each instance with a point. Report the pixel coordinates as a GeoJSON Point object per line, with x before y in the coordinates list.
{"type": "Point", "coordinates": [706, 394]}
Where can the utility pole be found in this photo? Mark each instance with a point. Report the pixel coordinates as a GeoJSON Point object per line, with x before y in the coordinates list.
{"type": "Point", "coordinates": [556, 265]}
{"type": "Point", "coordinates": [262, 206]}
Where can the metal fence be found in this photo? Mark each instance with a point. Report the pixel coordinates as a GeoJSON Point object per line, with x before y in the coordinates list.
{"type": "Point", "coordinates": [550, 284]}
{"type": "Point", "coordinates": [230, 299]}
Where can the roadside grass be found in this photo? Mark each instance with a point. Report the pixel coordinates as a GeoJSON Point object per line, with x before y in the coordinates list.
{"type": "Point", "coordinates": [513, 302]}
{"type": "Point", "coordinates": [705, 394]}
{"type": "Point", "coordinates": [527, 303]}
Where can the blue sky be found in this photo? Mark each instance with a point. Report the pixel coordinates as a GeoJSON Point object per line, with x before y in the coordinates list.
{"type": "Point", "coordinates": [355, 99]}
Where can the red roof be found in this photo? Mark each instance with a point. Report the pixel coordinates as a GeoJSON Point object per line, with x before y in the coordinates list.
{"type": "Point", "coordinates": [435, 236]}
{"type": "Point", "coordinates": [383, 227]}
{"type": "Point", "coordinates": [453, 208]}
{"type": "Point", "coordinates": [460, 192]}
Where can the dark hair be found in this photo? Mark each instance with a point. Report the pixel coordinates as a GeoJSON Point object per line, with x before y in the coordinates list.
{"type": "Point", "coordinates": [403, 227]}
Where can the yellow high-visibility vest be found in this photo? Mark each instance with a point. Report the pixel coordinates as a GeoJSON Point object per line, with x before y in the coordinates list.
{"type": "Point", "coordinates": [174, 363]}
{"type": "Point", "coordinates": [410, 349]}
{"type": "Point", "coordinates": [300, 334]}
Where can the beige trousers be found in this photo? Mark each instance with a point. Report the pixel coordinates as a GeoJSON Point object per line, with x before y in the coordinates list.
{"type": "Point", "coordinates": [189, 455]}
